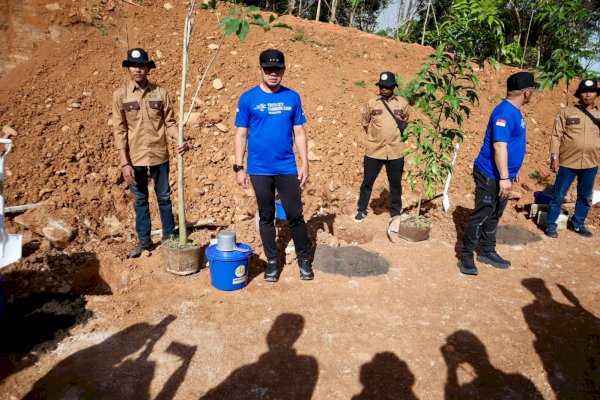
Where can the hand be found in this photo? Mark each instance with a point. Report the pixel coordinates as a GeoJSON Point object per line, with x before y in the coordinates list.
{"type": "Point", "coordinates": [183, 148]}
{"type": "Point", "coordinates": [128, 174]}
{"type": "Point", "coordinates": [517, 179]}
{"type": "Point", "coordinates": [505, 187]}
{"type": "Point", "coordinates": [303, 175]}
{"type": "Point", "coordinates": [554, 166]}
{"type": "Point", "coordinates": [242, 179]}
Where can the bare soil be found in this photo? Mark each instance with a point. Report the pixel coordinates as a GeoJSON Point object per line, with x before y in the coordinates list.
{"type": "Point", "coordinates": [86, 322]}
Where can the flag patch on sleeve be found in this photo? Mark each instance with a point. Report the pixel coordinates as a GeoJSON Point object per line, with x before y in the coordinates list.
{"type": "Point", "coordinates": [501, 122]}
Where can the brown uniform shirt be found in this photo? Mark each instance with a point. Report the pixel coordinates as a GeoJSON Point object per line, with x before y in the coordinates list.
{"type": "Point", "coordinates": [384, 141]}
{"type": "Point", "coordinates": [140, 120]}
{"type": "Point", "coordinates": [576, 139]}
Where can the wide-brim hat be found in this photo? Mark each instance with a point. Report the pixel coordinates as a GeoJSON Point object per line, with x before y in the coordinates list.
{"type": "Point", "coordinates": [138, 56]}
{"type": "Point", "coordinates": [587, 85]}
{"type": "Point", "coordinates": [387, 79]}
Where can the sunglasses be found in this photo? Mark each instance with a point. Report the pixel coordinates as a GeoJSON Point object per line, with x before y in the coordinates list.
{"type": "Point", "coordinates": [273, 70]}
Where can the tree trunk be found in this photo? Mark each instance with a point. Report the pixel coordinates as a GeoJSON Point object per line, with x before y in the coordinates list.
{"type": "Point", "coordinates": [290, 6]}
{"type": "Point", "coordinates": [352, 15]}
{"type": "Point", "coordinates": [425, 24]}
{"type": "Point", "coordinates": [318, 11]}
{"type": "Point", "coordinates": [332, 11]}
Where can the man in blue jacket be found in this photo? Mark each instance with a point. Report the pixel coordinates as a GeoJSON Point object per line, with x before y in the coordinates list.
{"type": "Point", "coordinates": [495, 170]}
{"type": "Point", "coordinates": [270, 119]}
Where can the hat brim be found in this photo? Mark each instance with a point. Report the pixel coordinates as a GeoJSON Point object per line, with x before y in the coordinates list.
{"type": "Point", "coordinates": [579, 91]}
{"type": "Point", "coordinates": [386, 85]}
{"type": "Point", "coordinates": [272, 65]}
{"type": "Point", "coordinates": [127, 63]}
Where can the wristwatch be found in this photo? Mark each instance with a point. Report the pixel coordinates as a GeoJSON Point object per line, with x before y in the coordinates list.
{"type": "Point", "coordinates": [553, 158]}
{"type": "Point", "coordinates": [237, 168]}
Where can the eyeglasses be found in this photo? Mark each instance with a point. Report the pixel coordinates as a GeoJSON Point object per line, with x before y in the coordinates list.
{"type": "Point", "coordinates": [273, 70]}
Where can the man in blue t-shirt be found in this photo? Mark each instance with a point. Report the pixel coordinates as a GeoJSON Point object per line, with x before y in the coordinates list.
{"type": "Point", "coordinates": [495, 170]}
{"type": "Point", "coordinates": [270, 119]}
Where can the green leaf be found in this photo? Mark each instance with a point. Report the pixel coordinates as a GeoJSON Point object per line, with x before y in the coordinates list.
{"type": "Point", "coordinates": [252, 9]}
{"type": "Point", "coordinates": [271, 18]}
{"type": "Point", "coordinates": [232, 27]}
{"type": "Point", "coordinates": [235, 12]}
{"type": "Point", "coordinates": [243, 30]}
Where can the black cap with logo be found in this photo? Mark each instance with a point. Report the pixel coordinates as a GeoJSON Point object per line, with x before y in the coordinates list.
{"type": "Point", "coordinates": [272, 58]}
{"type": "Point", "coordinates": [588, 85]}
{"type": "Point", "coordinates": [138, 56]}
{"type": "Point", "coordinates": [387, 79]}
{"type": "Point", "coordinates": [521, 80]}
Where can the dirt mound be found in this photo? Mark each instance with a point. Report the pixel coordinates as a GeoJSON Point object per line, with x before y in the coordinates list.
{"type": "Point", "coordinates": [59, 104]}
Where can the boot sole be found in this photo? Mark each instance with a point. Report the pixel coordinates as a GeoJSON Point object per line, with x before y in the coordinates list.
{"type": "Point", "coordinates": [485, 260]}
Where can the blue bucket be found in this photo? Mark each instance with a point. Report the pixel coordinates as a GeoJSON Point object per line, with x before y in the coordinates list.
{"type": "Point", "coordinates": [228, 269]}
{"type": "Point", "coordinates": [279, 211]}
{"type": "Point", "coordinates": [542, 198]}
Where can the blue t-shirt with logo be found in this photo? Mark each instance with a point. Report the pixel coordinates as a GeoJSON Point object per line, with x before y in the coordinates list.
{"type": "Point", "coordinates": [271, 118]}
{"type": "Point", "coordinates": [507, 125]}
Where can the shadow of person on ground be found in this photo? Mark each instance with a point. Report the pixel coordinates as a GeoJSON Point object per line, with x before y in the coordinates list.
{"type": "Point", "coordinates": [485, 382]}
{"type": "Point", "coordinates": [567, 341]}
{"type": "Point", "coordinates": [117, 368]}
{"type": "Point", "coordinates": [386, 377]}
{"type": "Point", "coordinates": [278, 374]}
{"type": "Point", "coordinates": [43, 305]}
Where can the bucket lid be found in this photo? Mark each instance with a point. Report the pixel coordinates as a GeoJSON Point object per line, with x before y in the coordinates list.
{"type": "Point", "coordinates": [212, 253]}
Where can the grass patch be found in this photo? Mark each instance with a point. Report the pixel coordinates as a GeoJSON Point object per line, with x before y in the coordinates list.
{"type": "Point", "coordinates": [360, 83]}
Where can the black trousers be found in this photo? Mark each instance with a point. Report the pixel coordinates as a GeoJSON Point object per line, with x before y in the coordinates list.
{"type": "Point", "coordinates": [483, 222]}
{"type": "Point", "coordinates": [394, 169]}
{"type": "Point", "coordinates": [288, 189]}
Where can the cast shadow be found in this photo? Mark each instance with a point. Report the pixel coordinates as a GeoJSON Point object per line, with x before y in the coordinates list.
{"type": "Point", "coordinates": [485, 381]}
{"type": "Point", "coordinates": [278, 374]}
{"type": "Point", "coordinates": [567, 341]}
{"type": "Point", "coordinates": [256, 266]}
{"type": "Point", "coordinates": [118, 368]}
{"type": "Point", "coordinates": [460, 216]}
{"type": "Point", "coordinates": [37, 315]}
{"type": "Point", "coordinates": [386, 377]}
{"type": "Point", "coordinates": [381, 204]}
{"type": "Point", "coordinates": [313, 225]}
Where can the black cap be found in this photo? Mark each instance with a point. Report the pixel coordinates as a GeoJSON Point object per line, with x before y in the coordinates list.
{"type": "Point", "coordinates": [521, 80]}
{"type": "Point", "coordinates": [587, 85]}
{"type": "Point", "coordinates": [272, 58]}
{"type": "Point", "coordinates": [138, 56]}
{"type": "Point", "coordinates": [387, 79]}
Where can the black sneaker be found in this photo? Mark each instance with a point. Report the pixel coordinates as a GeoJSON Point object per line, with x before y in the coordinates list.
{"type": "Point", "coordinates": [272, 271]}
{"type": "Point", "coordinates": [551, 232]}
{"type": "Point", "coordinates": [494, 259]}
{"type": "Point", "coordinates": [466, 264]}
{"type": "Point", "coordinates": [139, 249]}
{"type": "Point", "coordinates": [306, 271]}
{"type": "Point", "coordinates": [582, 230]}
{"type": "Point", "coordinates": [360, 217]}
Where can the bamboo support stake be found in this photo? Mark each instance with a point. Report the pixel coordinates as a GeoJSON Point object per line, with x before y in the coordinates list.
{"type": "Point", "coordinates": [180, 189]}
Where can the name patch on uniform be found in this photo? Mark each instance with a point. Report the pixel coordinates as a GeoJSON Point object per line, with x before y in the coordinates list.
{"type": "Point", "coordinates": [376, 112]}
{"type": "Point", "coordinates": [573, 121]}
{"type": "Point", "coordinates": [501, 122]}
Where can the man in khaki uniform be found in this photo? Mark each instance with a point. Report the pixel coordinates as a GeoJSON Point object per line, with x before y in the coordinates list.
{"type": "Point", "coordinates": [142, 116]}
{"type": "Point", "coordinates": [575, 153]}
{"type": "Point", "coordinates": [384, 144]}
